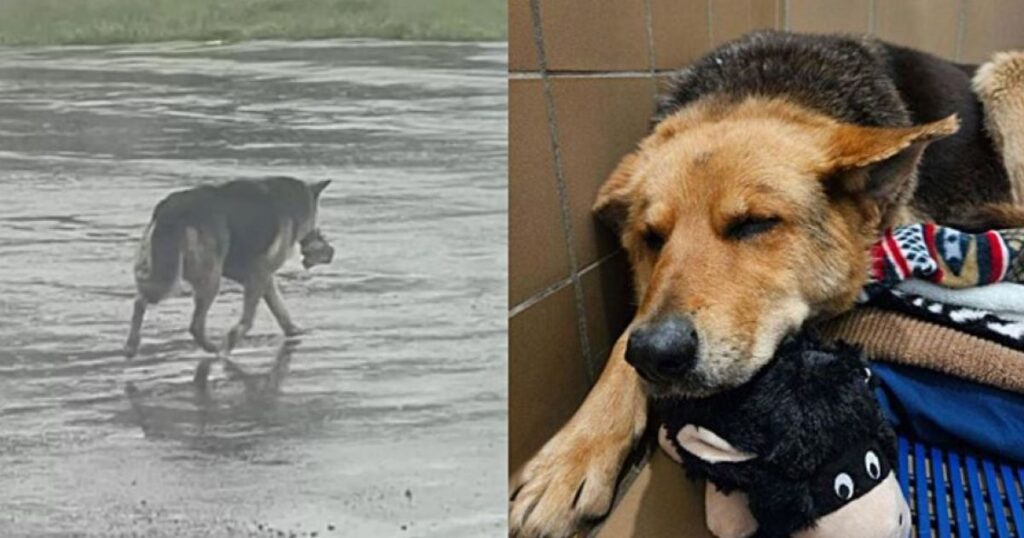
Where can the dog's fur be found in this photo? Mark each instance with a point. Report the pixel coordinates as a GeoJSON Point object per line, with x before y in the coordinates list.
{"type": "Point", "coordinates": [244, 230]}
{"type": "Point", "coordinates": [774, 163]}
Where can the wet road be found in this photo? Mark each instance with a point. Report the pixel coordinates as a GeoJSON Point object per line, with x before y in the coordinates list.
{"type": "Point", "coordinates": [387, 419]}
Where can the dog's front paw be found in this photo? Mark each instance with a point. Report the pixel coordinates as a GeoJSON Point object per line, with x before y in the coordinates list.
{"type": "Point", "coordinates": [567, 486]}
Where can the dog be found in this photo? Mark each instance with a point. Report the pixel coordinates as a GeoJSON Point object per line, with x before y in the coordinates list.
{"type": "Point", "coordinates": [772, 164]}
{"type": "Point", "coordinates": [244, 230]}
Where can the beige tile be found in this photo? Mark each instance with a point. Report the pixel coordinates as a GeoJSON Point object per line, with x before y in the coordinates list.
{"type": "Point", "coordinates": [990, 26]}
{"type": "Point", "coordinates": [732, 18]}
{"type": "Point", "coordinates": [828, 16]}
{"type": "Point", "coordinates": [660, 503]}
{"type": "Point", "coordinates": [522, 54]}
{"type": "Point", "coordinates": [547, 379]}
{"type": "Point", "coordinates": [537, 253]}
{"type": "Point", "coordinates": [929, 25]}
{"type": "Point", "coordinates": [1008, 30]}
{"type": "Point", "coordinates": [680, 31]}
{"type": "Point", "coordinates": [608, 303]}
{"type": "Point", "coordinates": [599, 121]}
{"type": "Point", "coordinates": [596, 35]}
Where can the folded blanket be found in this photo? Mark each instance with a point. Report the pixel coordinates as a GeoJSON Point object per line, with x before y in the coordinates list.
{"type": "Point", "coordinates": [899, 338]}
{"type": "Point", "coordinates": [945, 410]}
{"type": "Point", "coordinates": [1003, 299]}
{"type": "Point", "coordinates": [980, 323]}
{"type": "Point", "coordinates": [943, 318]}
{"type": "Point", "coordinates": [947, 256]}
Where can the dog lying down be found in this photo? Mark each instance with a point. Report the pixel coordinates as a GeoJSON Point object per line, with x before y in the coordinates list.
{"type": "Point", "coordinates": [801, 450]}
{"type": "Point", "coordinates": [244, 230]}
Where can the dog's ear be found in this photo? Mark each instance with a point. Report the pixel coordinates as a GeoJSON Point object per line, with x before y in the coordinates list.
{"type": "Point", "coordinates": [878, 165]}
{"type": "Point", "coordinates": [612, 205]}
{"type": "Point", "coordinates": [319, 187]}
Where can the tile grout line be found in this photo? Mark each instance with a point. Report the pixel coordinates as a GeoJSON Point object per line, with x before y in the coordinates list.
{"type": "Point", "coordinates": [961, 30]}
{"type": "Point", "coordinates": [785, 15]}
{"type": "Point", "coordinates": [558, 285]}
{"type": "Point", "coordinates": [711, 20]}
{"type": "Point", "coordinates": [649, 23]}
{"type": "Point", "coordinates": [563, 194]}
{"type": "Point", "coordinates": [539, 296]}
{"type": "Point", "coordinates": [872, 16]}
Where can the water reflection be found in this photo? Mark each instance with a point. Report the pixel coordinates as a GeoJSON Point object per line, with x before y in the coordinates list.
{"type": "Point", "coordinates": [405, 359]}
{"type": "Point", "coordinates": [254, 408]}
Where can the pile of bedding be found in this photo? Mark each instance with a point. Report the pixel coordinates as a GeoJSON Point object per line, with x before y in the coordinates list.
{"type": "Point", "coordinates": [942, 320]}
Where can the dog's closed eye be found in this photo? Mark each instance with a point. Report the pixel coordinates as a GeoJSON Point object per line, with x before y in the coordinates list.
{"type": "Point", "coordinates": [748, 226]}
{"type": "Point", "coordinates": [653, 240]}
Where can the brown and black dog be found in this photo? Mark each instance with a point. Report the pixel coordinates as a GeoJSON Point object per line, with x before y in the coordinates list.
{"type": "Point", "coordinates": [773, 164]}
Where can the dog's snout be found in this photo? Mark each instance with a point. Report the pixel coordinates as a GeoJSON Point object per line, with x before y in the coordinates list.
{"type": "Point", "coordinates": [663, 349]}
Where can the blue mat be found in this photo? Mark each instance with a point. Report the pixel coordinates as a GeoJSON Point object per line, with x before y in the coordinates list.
{"type": "Point", "coordinates": [960, 494]}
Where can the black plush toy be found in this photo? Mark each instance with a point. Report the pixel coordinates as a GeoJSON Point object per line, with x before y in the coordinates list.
{"type": "Point", "coordinates": [800, 450]}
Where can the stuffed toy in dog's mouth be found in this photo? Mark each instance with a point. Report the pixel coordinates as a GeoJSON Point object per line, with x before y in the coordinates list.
{"type": "Point", "coordinates": [315, 249]}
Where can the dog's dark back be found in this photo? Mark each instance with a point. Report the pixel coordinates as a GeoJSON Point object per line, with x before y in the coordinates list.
{"type": "Point", "coordinates": [863, 81]}
{"type": "Point", "coordinates": [960, 171]}
{"type": "Point", "coordinates": [244, 216]}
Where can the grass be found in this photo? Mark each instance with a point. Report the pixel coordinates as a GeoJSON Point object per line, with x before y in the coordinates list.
{"type": "Point", "coordinates": [64, 22]}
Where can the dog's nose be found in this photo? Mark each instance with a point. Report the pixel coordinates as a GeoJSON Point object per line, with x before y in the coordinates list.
{"type": "Point", "coordinates": [663, 349]}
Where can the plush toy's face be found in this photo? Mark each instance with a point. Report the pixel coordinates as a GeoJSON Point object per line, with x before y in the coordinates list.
{"type": "Point", "coordinates": [858, 495]}
{"type": "Point", "coordinates": [854, 495]}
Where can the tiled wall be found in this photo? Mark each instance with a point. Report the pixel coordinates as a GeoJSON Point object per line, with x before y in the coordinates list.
{"type": "Point", "coordinates": [582, 83]}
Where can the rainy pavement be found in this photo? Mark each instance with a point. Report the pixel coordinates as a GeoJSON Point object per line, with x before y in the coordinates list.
{"type": "Point", "coordinates": [387, 419]}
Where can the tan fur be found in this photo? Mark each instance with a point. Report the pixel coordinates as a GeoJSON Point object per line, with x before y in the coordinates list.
{"type": "Point", "coordinates": [699, 171]}
{"type": "Point", "coordinates": [1004, 112]}
{"type": "Point", "coordinates": [705, 167]}
{"type": "Point", "coordinates": [582, 461]}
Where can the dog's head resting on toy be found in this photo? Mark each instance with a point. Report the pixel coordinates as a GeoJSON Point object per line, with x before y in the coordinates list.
{"type": "Point", "coordinates": [743, 218]}
{"type": "Point", "coordinates": [804, 441]}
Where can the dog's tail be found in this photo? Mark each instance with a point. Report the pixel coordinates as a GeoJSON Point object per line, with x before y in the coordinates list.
{"type": "Point", "coordinates": [158, 262]}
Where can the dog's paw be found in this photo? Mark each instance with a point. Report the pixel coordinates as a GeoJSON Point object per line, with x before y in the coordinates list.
{"type": "Point", "coordinates": [294, 330]}
{"type": "Point", "coordinates": [567, 486]}
{"type": "Point", "coordinates": [131, 347]}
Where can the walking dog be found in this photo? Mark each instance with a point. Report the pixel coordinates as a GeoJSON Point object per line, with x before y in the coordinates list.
{"type": "Point", "coordinates": [244, 230]}
{"type": "Point", "coordinates": [773, 163]}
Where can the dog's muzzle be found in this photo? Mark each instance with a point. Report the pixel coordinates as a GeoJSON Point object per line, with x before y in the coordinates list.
{"type": "Point", "coordinates": [663, 350]}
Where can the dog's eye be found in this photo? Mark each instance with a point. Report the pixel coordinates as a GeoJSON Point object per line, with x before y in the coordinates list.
{"type": "Point", "coordinates": [654, 240]}
{"type": "Point", "coordinates": [749, 226]}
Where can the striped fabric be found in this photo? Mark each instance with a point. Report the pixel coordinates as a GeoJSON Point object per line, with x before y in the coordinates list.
{"type": "Point", "coordinates": [947, 256]}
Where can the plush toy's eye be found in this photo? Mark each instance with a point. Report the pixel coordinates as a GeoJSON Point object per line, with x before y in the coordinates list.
{"type": "Point", "coordinates": [843, 486]}
{"type": "Point", "coordinates": [871, 465]}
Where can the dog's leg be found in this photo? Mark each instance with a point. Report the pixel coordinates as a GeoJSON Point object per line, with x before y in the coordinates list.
{"type": "Point", "coordinates": [253, 290]}
{"type": "Point", "coordinates": [131, 347]}
{"type": "Point", "coordinates": [999, 85]}
{"type": "Point", "coordinates": [204, 295]}
{"type": "Point", "coordinates": [273, 299]}
{"type": "Point", "coordinates": [571, 480]}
